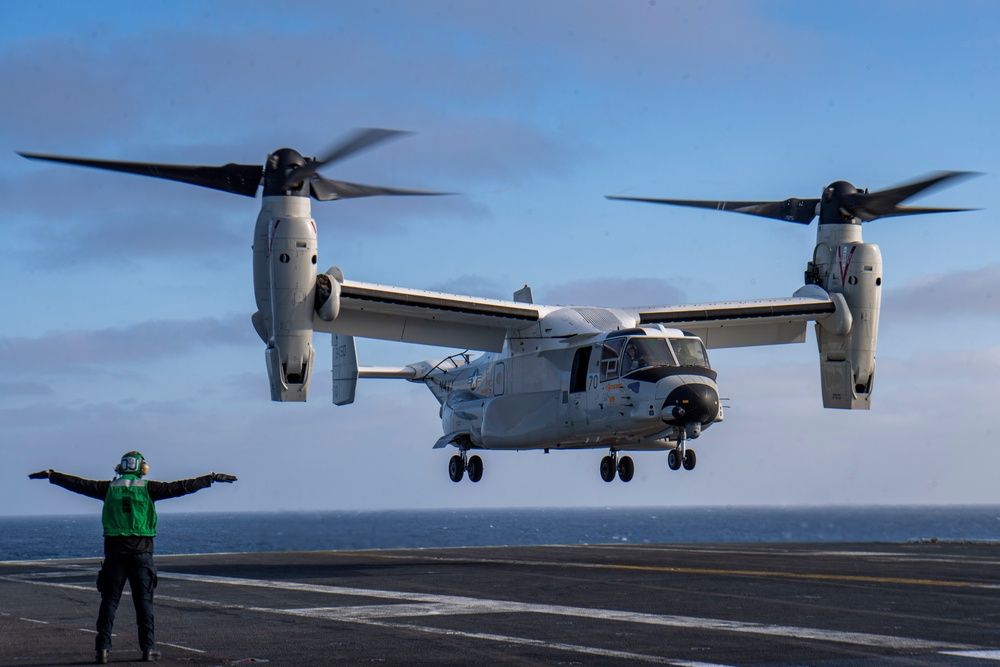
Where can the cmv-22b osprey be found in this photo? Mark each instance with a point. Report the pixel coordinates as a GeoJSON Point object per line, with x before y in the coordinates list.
{"type": "Point", "coordinates": [549, 377]}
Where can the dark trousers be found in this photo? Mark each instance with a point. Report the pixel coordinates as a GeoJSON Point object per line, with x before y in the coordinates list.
{"type": "Point", "coordinates": [139, 571]}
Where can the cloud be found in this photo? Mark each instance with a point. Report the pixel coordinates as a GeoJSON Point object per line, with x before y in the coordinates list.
{"type": "Point", "coordinates": [972, 293]}
{"type": "Point", "coordinates": [109, 219]}
{"type": "Point", "coordinates": [607, 292]}
{"type": "Point", "coordinates": [474, 285]}
{"type": "Point", "coordinates": [533, 111]}
{"type": "Point", "coordinates": [21, 389]}
{"type": "Point", "coordinates": [611, 292]}
{"type": "Point", "coordinates": [777, 446]}
{"type": "Point", "coordinates": [709, 43]}
{"type": "Point", "coordinates": [86, 352]}
{"type": "Point", "coordinates": [927, 438]}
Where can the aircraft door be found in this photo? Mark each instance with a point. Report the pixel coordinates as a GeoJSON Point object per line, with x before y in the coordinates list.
{"type": "Point", "coordinates": [499, 379]}
{"type": "Point", "coordinates": [578, 381]}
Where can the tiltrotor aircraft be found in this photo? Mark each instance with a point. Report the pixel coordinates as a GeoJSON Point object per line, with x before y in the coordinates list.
{"type": "Point", "coordinates": [549, 377]}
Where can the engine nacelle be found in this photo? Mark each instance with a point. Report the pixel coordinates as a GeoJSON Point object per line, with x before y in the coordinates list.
{"type": "Point", "coordinates": [285, 285]}
{"type": "Point", "coordinates": [844, 265]}
{"type": "Point", "coordinates": [328, 294]}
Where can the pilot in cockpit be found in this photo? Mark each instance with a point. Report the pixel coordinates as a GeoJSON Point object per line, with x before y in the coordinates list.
{"type": "Point", "coordinates": [632, 360]}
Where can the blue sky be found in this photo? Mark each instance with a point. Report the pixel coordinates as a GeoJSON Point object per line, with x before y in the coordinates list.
{"type": "Point", "coordinates": [127, 300]}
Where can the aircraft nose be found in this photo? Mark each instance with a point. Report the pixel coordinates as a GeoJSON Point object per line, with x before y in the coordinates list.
{"type": "Point", "coordinates": [691, 403]}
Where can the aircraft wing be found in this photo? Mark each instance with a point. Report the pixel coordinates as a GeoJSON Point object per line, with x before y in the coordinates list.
{"type": "Point", "coordinates": [749, 323]}
{"type": "Point", "coordinates": [369, 310]}
{"type": "Point", "coordinates": [408, 315]}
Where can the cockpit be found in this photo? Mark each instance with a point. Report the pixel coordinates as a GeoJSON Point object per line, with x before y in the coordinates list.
{"type": "Point", "coordinates": [626, 355]}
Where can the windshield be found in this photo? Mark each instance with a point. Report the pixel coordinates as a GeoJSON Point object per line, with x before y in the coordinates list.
{"type": "Point", "coordinates": [690, 352]}
{"type": "Point", "coordinates": [645, 352]}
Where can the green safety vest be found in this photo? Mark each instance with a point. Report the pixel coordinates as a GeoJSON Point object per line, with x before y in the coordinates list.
{"type": "Point", "coordinates": [128, 509]}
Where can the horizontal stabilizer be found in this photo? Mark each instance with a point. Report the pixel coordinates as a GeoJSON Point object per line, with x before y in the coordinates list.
{"type": "Point", "coordinates": [388, 372]}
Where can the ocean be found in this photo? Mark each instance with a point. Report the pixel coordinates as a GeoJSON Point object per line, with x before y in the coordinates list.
{"type": "Point", "coordinates": [30, 538]}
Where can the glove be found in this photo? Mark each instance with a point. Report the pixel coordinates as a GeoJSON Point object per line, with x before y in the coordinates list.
{"type": "Point", "coordinates": [223, 477]}
{"type": "Point", "coordinates": [41, 474]}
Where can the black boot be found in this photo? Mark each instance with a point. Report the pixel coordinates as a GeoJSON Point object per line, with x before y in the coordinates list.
{"type": "Point", "coordinates": [102, 656]}
{"type": "Point", "coordinates": [150, 655]}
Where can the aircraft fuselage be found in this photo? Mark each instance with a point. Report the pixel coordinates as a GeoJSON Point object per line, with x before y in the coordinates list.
{"type": "Point", "coordinates": [635, 389]}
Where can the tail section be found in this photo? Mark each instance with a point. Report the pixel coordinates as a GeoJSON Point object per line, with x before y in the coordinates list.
{"type": "Point", "coordinates": [345, 369]}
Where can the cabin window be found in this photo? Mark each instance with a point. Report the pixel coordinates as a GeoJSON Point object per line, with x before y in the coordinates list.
{"type": "Point", "coordinates": [610, 352]}
{"type": "Point", "coordinates": [498, 379]}
{"type": "Point", "coordinates": [578, 376]}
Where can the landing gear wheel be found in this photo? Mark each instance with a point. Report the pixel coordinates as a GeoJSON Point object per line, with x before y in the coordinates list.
{"type": "Point", "coordinates": [475, 469]}
{"type": "Point", "coordinates": [456, 468]}
{"type": "Point", "coordinates": [626, 469]}
{"type": "Point", "coordinates": [690, 459]}
{"type": "Point", "coordinates": [673, 460]}
{"type": "Point", "coordinates": [607, 469]}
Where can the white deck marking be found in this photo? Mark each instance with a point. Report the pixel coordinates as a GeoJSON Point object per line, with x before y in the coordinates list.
{"type": "Point", "coordinates": [466, 605]}
{"type": "Point", "coordinates": [360, 618]}
{"type": "Point", "coordinates": [523, 641]}
{"type": "Point", "coordinates": [703, 570]}
{"type": "Point", "coordinates": [979, 655]}
{"type": "Point", "coordinates": [416, 605]}
{"type": "Point", "coordinates": [183, 648]}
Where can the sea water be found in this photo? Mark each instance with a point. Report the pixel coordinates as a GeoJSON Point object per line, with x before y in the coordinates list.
{"type": "Point", "coordinates": [75, 536]}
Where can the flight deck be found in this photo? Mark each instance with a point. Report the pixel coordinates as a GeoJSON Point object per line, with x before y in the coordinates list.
{"type": "Point", "coordinates": [823, 605]}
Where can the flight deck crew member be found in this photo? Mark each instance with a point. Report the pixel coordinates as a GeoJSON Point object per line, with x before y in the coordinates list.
{"type": "Point", "coordinates": [129, 519]}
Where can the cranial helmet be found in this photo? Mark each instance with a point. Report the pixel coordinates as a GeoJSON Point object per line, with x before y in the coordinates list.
{"type": "Point", "coordinates": [133, 463]}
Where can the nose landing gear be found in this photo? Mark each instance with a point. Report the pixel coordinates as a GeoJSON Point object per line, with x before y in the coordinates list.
{"type": "Point", "coordinates": [611, 464]}
{"type": "Point", "coordinates": [681, 455]}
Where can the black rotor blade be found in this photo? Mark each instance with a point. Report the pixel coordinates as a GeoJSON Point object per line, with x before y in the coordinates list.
{"type": "Point", "coordinates": [240, 179]}
{"type": "Point", "coordinates": [919, 210]}
{"type": "Point", "coordinates": [801, 211]}
{"type": "Point", "coordinates": [358, 141]}
{"type": "Point", "coordinates": [327, 189]}
{"type": "Point", "coordinates": [868, 206]}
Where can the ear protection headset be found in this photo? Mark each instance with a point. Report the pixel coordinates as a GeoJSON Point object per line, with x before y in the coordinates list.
{"type": "Point", "coordinates": [133, 463]}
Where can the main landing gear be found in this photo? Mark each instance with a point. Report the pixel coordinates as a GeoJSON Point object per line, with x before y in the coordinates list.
{"type": "Point", "coordinates": [461, 462]}
{"type": "Point", "coordinates": [611, 464]}
{"type": "Point", "coordinates": [681, 456]}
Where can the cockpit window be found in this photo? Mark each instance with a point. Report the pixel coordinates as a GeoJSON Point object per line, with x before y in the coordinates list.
{"type": "Point", "coordinates": [609, 358]}
{"type": "Point", "coordinates": [690, 352]}
{"type": "Point", "coordinates": [645, 352]}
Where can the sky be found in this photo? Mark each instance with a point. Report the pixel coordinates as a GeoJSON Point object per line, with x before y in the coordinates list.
{"type": "Point", "coordinates": [127, 300]}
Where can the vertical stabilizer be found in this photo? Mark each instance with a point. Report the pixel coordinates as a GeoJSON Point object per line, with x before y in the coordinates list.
{"type": "Point", "coordinates": [345, 369]}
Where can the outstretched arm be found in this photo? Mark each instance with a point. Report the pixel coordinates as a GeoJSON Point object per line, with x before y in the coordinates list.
{"type": "Point", "coordinates": [161, 490]}
{"type": "Point", "coordinates": [87, 487]}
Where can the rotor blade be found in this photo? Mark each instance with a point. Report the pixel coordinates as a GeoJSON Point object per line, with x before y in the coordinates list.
{"type": "Point", "coordinates": [326, 189]}
{"type": "Point", "coordinates": [801, 211]}
{"type": "Point", "coordinates": [358, 141]}
{"type": "Point", "coordinates": [869, 206]}
{"type": "Point", "coordinates": [240, 179]}
{"type": "Point", "coordinates": [919, 210]}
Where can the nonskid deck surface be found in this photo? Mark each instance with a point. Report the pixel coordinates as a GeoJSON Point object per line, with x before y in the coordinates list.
{"type": "Point", "coordinates": [705, 605]}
